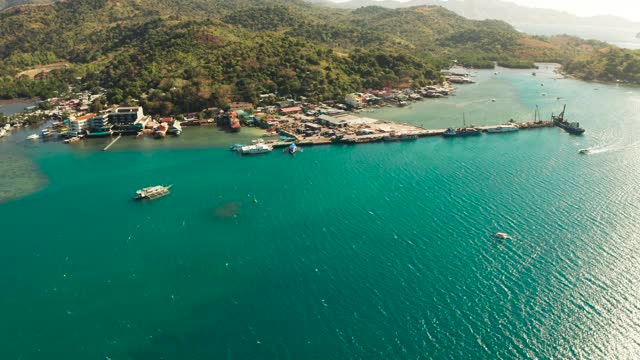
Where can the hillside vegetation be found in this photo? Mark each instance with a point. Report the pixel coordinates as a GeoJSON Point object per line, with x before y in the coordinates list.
{"type": "Point", "coordinates": [185, 55]}
{"type": "Point", "coordinates": [607, 65]}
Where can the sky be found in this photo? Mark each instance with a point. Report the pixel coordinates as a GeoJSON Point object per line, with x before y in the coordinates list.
{"type": "Point", "coordinates": [629, 9]}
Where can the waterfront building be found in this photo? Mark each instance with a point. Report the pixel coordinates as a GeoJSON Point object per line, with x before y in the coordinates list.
{"type": "Point", "coordinates": [241, 106]}
{"type": "Point", "coordinates": [99, 122]}
{"type": "Point", "coordinates": [125, 115]}
{"type": "Point", "coordinates": [290, 110]}
{"type": "Point", "coordinates": [331, 121]}
{"type": "Point", "coordinates": [99, 126]}
{"type": "Point", "coordinates": [80, 124]}
{"type": "Point", "coordinates": [129, 119]}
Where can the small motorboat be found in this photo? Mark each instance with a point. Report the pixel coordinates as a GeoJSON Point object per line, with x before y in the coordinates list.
{"type": "Point", "coordinates": [502, 236]}
{"type": "Point", "coordinates": [293, 149]}
{"type": "Point", "coordinates": [71, 140]}
{"type": "Point", "coordinates": [584, 151]}
{"type": "Point", "coordinates": [33, 137]}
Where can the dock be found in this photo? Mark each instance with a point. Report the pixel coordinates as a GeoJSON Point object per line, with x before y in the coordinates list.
{"type": "Point", "coordinates": [112, 142]}
{"type": "Point", "coordinates": [386, 130]}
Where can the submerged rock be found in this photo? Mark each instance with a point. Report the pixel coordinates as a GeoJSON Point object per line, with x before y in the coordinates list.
{"type": "Point", "coordinates": [228, 210]}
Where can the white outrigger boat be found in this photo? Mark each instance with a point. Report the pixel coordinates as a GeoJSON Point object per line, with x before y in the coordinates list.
{"type": "Point", "coordinates": [502, 129]}
{"type": "Point", "coordinates": [259, 148]}
{"type": "Point", "coordinates": [152, 192]}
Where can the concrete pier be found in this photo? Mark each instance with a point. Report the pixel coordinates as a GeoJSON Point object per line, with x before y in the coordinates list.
{"type": "Point", "coordinates": [395, 129]}
{"type": "Point", "coordinates": [112, 142]}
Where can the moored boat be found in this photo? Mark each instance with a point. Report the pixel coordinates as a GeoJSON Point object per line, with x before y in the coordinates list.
{"type": "Point", "coordinates": [259, 148]}
{"type": "Point", "coordinates": [461, 132]}
{"type": "Point", "coordinates": [47, 132]}
{"type": "Point", "coordinates": [570, 127]}
{"type": "Point", "coordinates": [502, 129]}
{"type": "Point", "coordinates": [292, 149]}
{"type": "Point", "coordinates": [152, 192]}
{"type": "Point", "coordinates": [33, 137]}
{"type": "Point", "coordinates": [71, 140]}
{"type": "Point", "coordinates": [403, 137]}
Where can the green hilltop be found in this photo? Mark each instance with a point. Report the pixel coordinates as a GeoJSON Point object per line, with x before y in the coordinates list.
{"type": "Point", "coordinates": [182, 55]}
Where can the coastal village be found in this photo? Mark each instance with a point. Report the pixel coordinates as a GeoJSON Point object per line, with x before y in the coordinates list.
{"type": "Point", "coordinates": [286, 122]}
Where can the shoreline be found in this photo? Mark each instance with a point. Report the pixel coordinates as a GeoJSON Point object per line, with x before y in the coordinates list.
{"type": "Point", "coordinates": [17, 101]}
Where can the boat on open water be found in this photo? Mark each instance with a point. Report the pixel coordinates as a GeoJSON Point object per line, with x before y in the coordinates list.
{"type": "Point", "coordinates": [502, 236]}
{"type": "Point", "coordinates": [152, 192]}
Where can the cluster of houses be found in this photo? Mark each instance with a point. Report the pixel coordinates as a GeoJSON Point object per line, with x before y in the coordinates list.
{"type": "Point", "coordinates": [458, 75]}
{"type": "Point", "coordinates": [72, 117]}
{"type": "Point", "coordinates": [394, 97]}
{"type": "Point", "coordinates": [273, 112]}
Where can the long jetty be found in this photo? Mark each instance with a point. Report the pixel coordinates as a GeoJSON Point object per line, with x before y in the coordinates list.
{"type": "Point", "coordinates": [112, 142]}
{"type": "Point", "coordinates": [378, 137]}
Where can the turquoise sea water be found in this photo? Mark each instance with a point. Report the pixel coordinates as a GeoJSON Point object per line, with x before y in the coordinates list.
{"type": "Point", "coordinates": [375, 251]}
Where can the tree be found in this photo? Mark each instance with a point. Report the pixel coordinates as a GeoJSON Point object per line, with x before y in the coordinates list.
{"type": "Point", "coordinates": [97, 105]}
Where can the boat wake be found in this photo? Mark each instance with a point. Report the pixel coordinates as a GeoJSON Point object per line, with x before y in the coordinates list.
{"type": "Point", "coordinates": [613, 147]}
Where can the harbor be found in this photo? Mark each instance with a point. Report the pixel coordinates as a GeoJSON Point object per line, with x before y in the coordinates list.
{"type": "Point", "coordinates": [402, 227]}
{"type": "Point", "coordinates": [364, 130]}
{"type": "Point", "coordinates": [387, 115]}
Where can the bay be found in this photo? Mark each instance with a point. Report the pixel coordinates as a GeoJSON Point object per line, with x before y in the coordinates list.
{"type": "Point", "coordinates": [375, 251]}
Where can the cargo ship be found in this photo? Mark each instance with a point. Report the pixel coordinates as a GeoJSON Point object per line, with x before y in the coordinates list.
{"type": "Point", "coordinates": [570, 127]}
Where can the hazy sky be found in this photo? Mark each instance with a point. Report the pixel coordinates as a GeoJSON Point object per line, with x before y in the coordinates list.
{"type": "Point", "coordinates": [629, 9]}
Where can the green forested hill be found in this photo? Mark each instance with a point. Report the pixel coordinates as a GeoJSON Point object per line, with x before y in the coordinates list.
{"type": "Point", "coordinates": [607, 65]}
{"type": "Point", "coordinates": [181, 55]}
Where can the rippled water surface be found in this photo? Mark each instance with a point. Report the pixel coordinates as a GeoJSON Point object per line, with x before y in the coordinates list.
{"type": "Point", "coordinates": [376, 251]}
